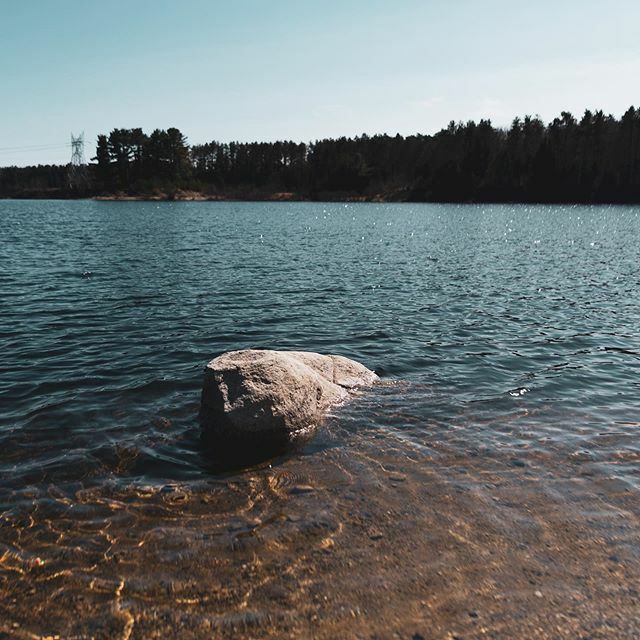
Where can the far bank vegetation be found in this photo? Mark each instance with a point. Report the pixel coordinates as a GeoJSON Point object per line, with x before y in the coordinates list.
{"type": "Point", "coordinates": [592, 159]}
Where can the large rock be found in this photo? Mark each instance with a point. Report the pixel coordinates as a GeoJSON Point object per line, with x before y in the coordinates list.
{"type": "Point", "coordinates": [260, 394]}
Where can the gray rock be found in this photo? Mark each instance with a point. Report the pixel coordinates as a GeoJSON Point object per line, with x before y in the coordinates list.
{"type": "Point", "coordinates": [275, 394]}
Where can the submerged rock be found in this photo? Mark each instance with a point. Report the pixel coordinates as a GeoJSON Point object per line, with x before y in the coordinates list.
{"type": "Point", "coordinates": [275, 395]}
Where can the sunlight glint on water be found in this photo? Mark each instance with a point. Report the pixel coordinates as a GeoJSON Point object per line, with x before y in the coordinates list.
{"type": "Point", "coordinates": [508, 338]}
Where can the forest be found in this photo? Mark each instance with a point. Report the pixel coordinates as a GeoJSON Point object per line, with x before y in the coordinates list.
{"type": "Point", "coordinates": [592, 159]}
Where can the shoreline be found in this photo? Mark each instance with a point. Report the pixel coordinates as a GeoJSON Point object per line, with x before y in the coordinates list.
{"type": "Point", "coordinates": [196, 196]}
{"type": "Point", "coordinates": [269, 198]}
{"type": "Point", "coordinates": [294, 197]}
{"type": "Point", "coordinates": [181, 195]}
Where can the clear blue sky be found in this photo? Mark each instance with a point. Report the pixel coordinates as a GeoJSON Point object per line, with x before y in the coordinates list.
{"type": "Point", "coordinates": [301, 69]}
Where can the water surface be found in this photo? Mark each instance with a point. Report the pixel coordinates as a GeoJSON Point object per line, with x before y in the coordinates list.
{"type": "Point", "coordinates": [489, 488]}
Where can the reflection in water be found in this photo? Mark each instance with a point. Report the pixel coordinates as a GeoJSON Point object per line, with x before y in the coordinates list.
{"type": "Point", "coordinates": [488, 488]}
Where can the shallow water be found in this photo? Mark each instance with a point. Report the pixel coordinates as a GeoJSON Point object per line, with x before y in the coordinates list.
{"type": "Point", "coordinates": [488, 488]}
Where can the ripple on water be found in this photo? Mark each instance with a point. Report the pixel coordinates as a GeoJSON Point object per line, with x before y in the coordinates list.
{"type": "Point", "coordinates": [498, 461]}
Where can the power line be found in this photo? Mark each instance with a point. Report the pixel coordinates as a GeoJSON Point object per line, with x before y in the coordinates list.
{"type": "Point", "coordinates": [43, 147]}
{"type": "Point", "coordinates": [46, 146]}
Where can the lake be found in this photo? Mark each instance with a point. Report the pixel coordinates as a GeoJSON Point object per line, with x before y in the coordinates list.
{"type": "Point", "coordinates": [488, 487]}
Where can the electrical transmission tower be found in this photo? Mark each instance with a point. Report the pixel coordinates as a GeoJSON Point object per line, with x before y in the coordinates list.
{"type": "Point", "coordinates": [78, 177]}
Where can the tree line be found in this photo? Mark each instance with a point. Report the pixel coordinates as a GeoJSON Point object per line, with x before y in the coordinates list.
{"type": "Point", "coordinates": [593, 159]}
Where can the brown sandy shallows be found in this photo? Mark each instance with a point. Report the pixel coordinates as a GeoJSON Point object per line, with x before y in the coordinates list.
{"type": "Point", "coordinates": [372, 540]}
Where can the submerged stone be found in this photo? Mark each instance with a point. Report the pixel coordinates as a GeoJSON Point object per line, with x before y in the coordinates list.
{"type": "Point", "coordinates": [275, 395]}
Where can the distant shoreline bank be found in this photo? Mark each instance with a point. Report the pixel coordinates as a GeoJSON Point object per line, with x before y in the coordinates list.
{"type": "Point", "coordinates": [194, 196]}
{"type": "Point", "coordinates": [200, 196]}
{"type": "Point", "coordinates": [280, 196]}
{"type": "Point", "coordinates": [288, 196]}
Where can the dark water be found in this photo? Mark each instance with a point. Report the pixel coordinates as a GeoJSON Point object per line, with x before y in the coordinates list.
{"type": "Point", "coordinates": [488, 488]}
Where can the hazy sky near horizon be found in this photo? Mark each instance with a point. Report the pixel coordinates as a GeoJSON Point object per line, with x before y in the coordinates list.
{"type": "Point", "coordinates": [300, 69]}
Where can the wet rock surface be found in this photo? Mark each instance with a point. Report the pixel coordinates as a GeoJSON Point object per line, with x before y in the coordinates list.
{"type": "Point", "coordinates": [266, 394]}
